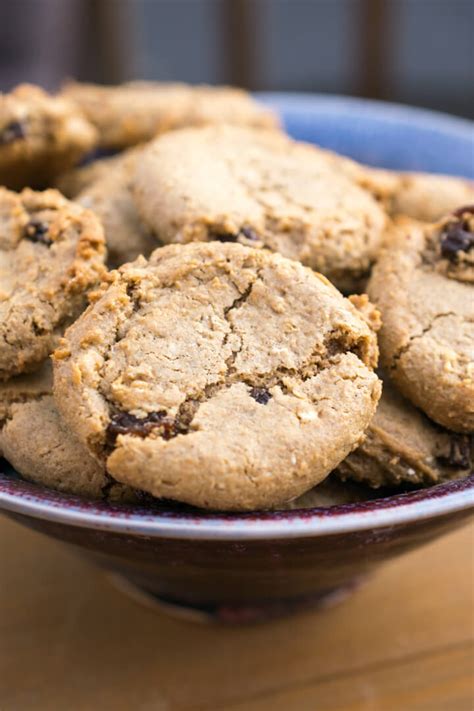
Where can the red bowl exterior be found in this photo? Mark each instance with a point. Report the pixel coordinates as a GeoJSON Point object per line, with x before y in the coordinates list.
{"type": "Point", "coordinates": [236, 578]}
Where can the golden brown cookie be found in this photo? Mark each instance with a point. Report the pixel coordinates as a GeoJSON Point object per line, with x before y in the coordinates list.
{"type": "Point", "coordinates": [429, 197]}
{"type": "Point", "coordinates": [51, 254]}
{"type": "Point", "coordinates": [105, 188]}
{"type": "Point", "coordinates": [218, 375]}
{"type": "Point", "coordinates": [40, 136]}
{"type": "Point", "coordinates": [262, 189]}
{"type": "Point", "coordinates": [422, 196]}
{"type": "Point", "coordinates": [137, 111]}
{"type": "Point", "coordinates": [402, 446]}
{"type": "Point", "coordinates": [424, 287]}
{"type": "Point", "coordinates": [39, 446]}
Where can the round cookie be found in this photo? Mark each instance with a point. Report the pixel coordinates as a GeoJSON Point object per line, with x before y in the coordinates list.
{"type": "Point", "coordinates": [137, 111]}
{"type": "Point", "coordinates": [218, 375]}
{"type": "Point", "coordinates": [424, 287]}
{"type": "Point", "coordinates": [40, 136]}
{"type": "Point", "coordinates": [260, 188]}
{"type": "Point", "coordinates": [35, 441]}
{"type": "Point", "coordinates": [108, 194]}
{"type": "Point", "coordinates": [51, 253]}
{"type": "Point", "coordinates": [403, 446]}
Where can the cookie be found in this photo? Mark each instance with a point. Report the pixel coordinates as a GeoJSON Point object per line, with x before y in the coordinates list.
{"type": "Point", "coordinates": [424, 287]}
{"type": "Point", "coordinates": [51, 253]}
{"type": "Point", "coordinates": [263, 189]}
{"type": "Point", "coordinates": [137, 111]}
{"type": "Point", "coordinates": [428, 197]}
{"type": "Point", "coordinates": [23, 388]}
{"type": "Point", "coordinates": [402, 446]}
{"type": "Point", "coordinates": [218, 375]}
{"type": "Point", "coordinates": [422, 196]}
{"type": "Point", "coordinates": [35, 441]}
{"type": "Point", "coordinates": [74, 181]}
{"type": "Point", "coordinates": [40, 136]}
{"type": "Point", "coordinates": [330, 492]}
{"type": "Point", "coordinates": [108, 194]}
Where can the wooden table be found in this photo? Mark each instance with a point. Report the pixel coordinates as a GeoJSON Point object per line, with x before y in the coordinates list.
{"type": "Point", "coordinates": [69, 641]}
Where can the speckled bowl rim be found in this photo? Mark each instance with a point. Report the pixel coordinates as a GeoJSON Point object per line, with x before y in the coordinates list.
{"type": "Point", "coordinates": [30, 500]}
{"type": "Point", "coordinates": [22, 497]}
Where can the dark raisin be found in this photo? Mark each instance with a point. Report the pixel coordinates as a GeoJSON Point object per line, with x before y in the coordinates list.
{"type": "Point", "coordinates": [261, 395]}
{"type": "Point", "coordinates": [250, 234]}
{"type": "Point", "coordinates": [224, 237]}
{"type": "Point", "coordinates": [456, 238]}
{"type": "Point", "coordinates": [247, 232]}
{"type": "Point", "coordinates": [169, 429]}
{"type": "Point", "coordinates": [125, 423]}
{"type": "Point", "coordinates": [15, 131]}
{"type": "Point", "coordinates": [37, 231]}
{"type": "Point", "coordinates": [457, 454]}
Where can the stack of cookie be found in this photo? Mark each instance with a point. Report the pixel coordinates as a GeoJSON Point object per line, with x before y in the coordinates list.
{"type": "Point", "coordinates": [228, 361]}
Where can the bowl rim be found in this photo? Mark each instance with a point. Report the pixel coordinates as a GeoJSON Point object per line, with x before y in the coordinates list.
{"type": "Point", "coordinates": [18, 496]}
{"type": "Point", "coordinates": [32, 500]}
{"type": "Point", "coordinates": [393, 112]}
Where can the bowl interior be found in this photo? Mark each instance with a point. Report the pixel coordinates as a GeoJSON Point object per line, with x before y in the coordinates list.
{"type": "Point", "coordinates": [379, 134]}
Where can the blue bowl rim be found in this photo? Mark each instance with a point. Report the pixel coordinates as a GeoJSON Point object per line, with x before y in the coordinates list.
{"type": "Point", "coordinates": [21, 497]}
{"type": "Point", "coordinates": [390, 111]}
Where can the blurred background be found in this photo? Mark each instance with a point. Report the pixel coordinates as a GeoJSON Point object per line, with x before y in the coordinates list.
{"type": "Point", "coordinates": [419, 52]}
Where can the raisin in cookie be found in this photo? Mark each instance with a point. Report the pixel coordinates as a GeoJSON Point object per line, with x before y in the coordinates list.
{"type": "Point", "coordinates": [137, 111]}
{"type": "Point", "coordinates": [403, 446]}
{"type": "Point", "coordinates": [260, 188]}
{"type": "Point", "coordinates": [108, 194]}
{"type": "Point", "coordinates": [40, 136]}
{"type": "Point", "coordinates": [424, 287]}
{"type": "Point", "coordinates": [51, 253]}
{"type": "Point", "coordinates": [218, 375]}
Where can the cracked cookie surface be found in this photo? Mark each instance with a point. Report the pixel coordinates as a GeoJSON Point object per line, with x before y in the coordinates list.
{"type": "Point", "coordinates": [424, 287]}
{"type": "Point", "coordinates": [402, 445]}
{"type": "Point", "coordinates": [218, 375]}
{"type": "Point", "coordinates": [104, 187]}
{"type": "Point", "coordinates": [260, 188]}
{"type": "Point", "coordinates": [40, 136]}
{"type": "Point", "coordinates": [137, 111]}
{"type": "Point", "coordinates": [51, 253]}
{"type": "Point", "coordinates": [42, 449]}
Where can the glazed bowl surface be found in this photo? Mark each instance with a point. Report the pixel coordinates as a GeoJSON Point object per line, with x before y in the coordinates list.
{"type": "Point", "coordinates": [247, 567]}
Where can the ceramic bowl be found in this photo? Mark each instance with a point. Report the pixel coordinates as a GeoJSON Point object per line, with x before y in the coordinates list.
{"type": "Point", "coordinates": [247, 567]}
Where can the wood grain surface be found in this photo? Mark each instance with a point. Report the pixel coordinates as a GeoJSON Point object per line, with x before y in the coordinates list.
{"type": "Point", "coordinates": [69, 640]}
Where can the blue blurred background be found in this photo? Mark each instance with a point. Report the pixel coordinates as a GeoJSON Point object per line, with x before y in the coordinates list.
{"type": "Point", "coordinates": [419, 52]}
